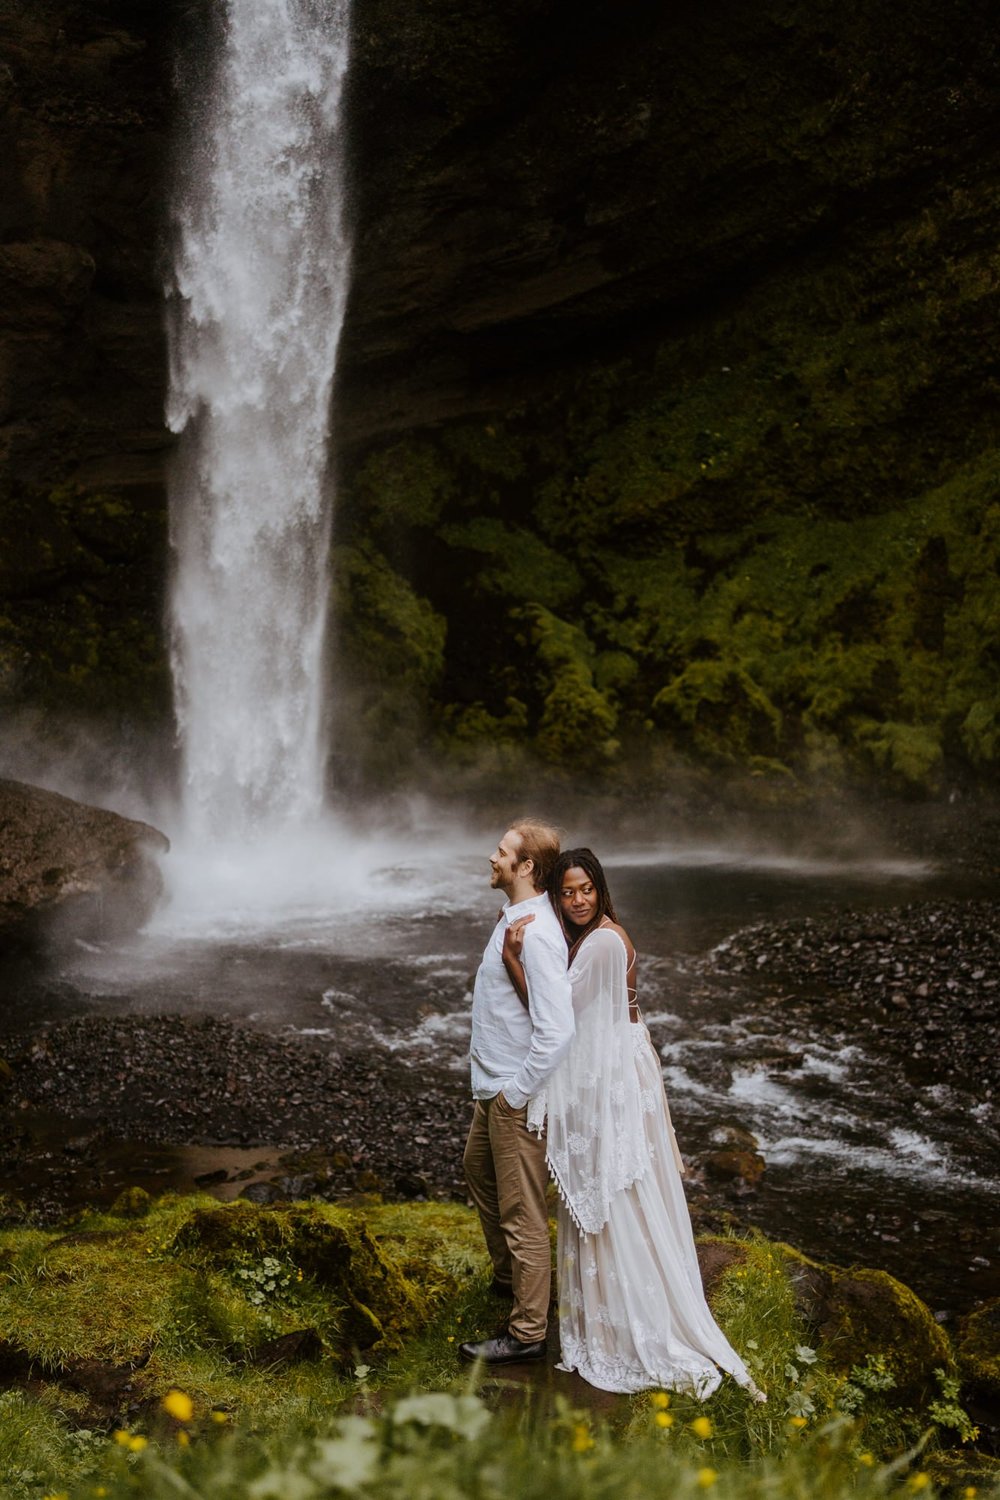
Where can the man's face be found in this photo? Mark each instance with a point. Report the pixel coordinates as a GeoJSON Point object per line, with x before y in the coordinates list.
{"type": "Point", "coordinates": [504, 862]}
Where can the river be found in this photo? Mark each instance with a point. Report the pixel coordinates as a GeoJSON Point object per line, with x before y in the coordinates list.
{"type": "Point", "coordinates": [375, 948]}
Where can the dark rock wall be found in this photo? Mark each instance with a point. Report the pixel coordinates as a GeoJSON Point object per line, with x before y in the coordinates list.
{"type": "Point", "coordinates": [668, 396]}
{"type": "Point", "coordinates": [84, 116]}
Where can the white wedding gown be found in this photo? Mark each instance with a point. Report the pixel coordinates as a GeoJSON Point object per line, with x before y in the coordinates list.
{"type": "Point", "coordinates": [632, 1311]}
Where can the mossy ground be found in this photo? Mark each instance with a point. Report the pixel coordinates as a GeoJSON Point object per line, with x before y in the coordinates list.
{"type": "Point", "coordinates": [102, 1320]}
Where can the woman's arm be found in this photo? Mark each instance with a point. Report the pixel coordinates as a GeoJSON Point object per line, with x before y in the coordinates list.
{"type": "Point", "coordinates": [513, 942]}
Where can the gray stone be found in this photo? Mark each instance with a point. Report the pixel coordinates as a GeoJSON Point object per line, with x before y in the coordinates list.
{"type": "Point", "coordinates": [70, 870]}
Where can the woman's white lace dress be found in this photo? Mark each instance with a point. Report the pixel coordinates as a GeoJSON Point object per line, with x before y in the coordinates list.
{"type": "Point", "coordinates": [632, 1312]}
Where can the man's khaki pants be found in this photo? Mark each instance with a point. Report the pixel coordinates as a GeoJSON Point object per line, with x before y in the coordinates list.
{"type": "Point", "coordinates": [507, 1176]}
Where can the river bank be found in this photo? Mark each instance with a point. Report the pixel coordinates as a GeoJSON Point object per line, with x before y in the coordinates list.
{"type": "Point", "coordinates": [92, 1104]}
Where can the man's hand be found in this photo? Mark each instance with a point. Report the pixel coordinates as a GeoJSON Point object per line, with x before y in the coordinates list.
{"type": "Point", "coordinates": [513, 942]}
{"type": "Point", "coordinates": [513, 938]}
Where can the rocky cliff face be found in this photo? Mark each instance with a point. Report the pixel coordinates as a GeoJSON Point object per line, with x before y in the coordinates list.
{"type": "Point", "coordinates": [85, 110]}
{"type": "Point", "coordinates": [668, 395]}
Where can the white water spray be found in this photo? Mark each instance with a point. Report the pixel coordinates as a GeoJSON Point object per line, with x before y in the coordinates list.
{"type": "Point", "coordinates": [257, 296]}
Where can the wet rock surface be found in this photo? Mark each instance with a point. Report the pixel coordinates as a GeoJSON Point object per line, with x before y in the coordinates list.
{"type": "Point", "coordinates": [346, 1124]}
{"type": "Point", "coordinates": [75, 869]}
{"type": "Point", "coordinates": [924, 979]}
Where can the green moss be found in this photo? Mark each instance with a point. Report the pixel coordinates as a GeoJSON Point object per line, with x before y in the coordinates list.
{"type": "Point", "coordinates": [978, 1349]}
{"type": "Point", "coordinates": [86, 570]}
{"type": "Point", "coordinates": [720, 711]}
{"type": "Point", "coordinates": [407, 484]}
{"type": "Point", "coordinates": [520, 564]}
{"type": "Point", "coordinates": [870, 1312]}
{"type": "Point", "coordinates": [779, 525]}
{"type": "Point", "coordinates": [957, 1472]}
{"type": "Point", "coordinates": [577, 720]}
{"type": "Point", "coordinates": [390, 627]}
{"type": "Point", "coordinates": [331, 1247]}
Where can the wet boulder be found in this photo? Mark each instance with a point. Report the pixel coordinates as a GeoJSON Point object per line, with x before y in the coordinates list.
{"type": "Point", "coordinates": [71, 870]}
{"type": "Point", "coordinates": [736, 1161]}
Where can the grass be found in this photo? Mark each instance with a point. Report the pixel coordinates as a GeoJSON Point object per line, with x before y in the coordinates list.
{"type": "Point", "coordinates": [404, 1417]}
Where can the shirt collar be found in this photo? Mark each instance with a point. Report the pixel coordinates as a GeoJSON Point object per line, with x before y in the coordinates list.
{"type": "Point", "coordinates": [522, 908]}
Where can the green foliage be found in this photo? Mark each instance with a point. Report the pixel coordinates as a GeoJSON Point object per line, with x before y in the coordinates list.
{"type": "Point", "coordinates": [774, 536]}
{"type": "Point", "coordinates": [978, 1349]}
{"type": "Point", "coordinates": [438, 1445]}
{"type": "Point", "coordinates": [84, 572]}
{"type": "Point", "coordinates": [578, 721]}
{"type": "Point", "coordinates": [948, 1412]}
{"type": "Point", "coordinates": [268, 1280]}
{"type": "Point", "coordinates": [873, 1375]}
{"type": "Point", "coordinates": [405, 485]}
{"type": "Point", "coordinates": [392, 630]}
{"type": "Point", "coordinates": [521, 566]}
{"type": "Point", "coordinates": [408, 1423]}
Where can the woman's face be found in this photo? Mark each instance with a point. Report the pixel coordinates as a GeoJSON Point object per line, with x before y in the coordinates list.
{"type": "Point", "coordinates": [578, 899]}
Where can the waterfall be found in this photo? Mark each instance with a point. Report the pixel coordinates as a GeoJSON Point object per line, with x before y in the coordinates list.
{"type": "Point", "coordinates": [256, 297]}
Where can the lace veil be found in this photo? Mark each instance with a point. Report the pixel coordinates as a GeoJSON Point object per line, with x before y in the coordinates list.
{"type": "Point", "coordinates": [596, 1142]}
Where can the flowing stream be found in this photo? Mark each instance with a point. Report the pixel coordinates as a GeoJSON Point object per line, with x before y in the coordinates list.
{"type": "Point", "coordinates": [375, 948]}
{"type": "Point", "coordinates": [256, 301]}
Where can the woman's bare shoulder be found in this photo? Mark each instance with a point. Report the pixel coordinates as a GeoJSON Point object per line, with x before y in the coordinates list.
{"type": "Point", "coordinates": [604, 934]}
{"type": "Point", "coordinates": [627, 942]}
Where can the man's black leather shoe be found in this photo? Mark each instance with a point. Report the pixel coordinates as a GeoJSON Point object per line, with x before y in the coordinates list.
{"type": "Point", "coordinates": [502, 1289]}
{"type": "Point", "coordinates": [505, 1349]}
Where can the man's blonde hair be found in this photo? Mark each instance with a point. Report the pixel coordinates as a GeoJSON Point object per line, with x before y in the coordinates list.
{"type": "Point", "coordinates": [540, 844]}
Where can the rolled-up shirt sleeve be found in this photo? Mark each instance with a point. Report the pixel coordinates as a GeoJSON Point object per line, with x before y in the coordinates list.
{"type": "Point", "coordinates": [550, 1005]}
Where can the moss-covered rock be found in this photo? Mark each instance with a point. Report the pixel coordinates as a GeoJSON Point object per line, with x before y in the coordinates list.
{"type": "Point", "coordinates": [978, 1349]}
{"type": "Point", "coordinates": [332, 1247]}
{"type": "Point", "coordinates": [963, 1472]}
{"type": "Point", "coordinates": [870, 1312]}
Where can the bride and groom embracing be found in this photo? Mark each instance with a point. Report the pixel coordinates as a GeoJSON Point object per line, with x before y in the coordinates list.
{"type": "Point", "coordinates": [566, 1081]}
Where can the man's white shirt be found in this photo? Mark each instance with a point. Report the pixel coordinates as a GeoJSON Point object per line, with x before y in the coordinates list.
{"type": "Point", "coordinates": [514, 1050]}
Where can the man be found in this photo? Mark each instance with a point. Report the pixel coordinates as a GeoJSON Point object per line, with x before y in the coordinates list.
{"type": "Point", "coordinates": [513, 1052]}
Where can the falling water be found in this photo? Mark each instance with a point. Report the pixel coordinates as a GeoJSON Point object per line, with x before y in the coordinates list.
{"type": "Point", "coordinates": [256, 297]}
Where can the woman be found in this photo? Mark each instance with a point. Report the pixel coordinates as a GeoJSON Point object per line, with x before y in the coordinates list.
{"type": "Point", "coordinates": [632, 1312]}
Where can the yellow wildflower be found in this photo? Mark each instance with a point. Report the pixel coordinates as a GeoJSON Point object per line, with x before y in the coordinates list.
{"type": "Point", "coordinates": [707, 1477]}
{"type": "Point", "coordinates": [138, 1442]}
{"type": "Point", "coordinates": [122, 1438]}
{"type": "Point", "coordinates": [919, 1481]}
{"type": "Point", "coordinates": [798, 1422]}
{"type": "Point", "coordinates": [867, 1459]}
{"type": "Point", "coordinates": [582, 1440]}
{"type": "Point", "coordinates": [184, 1438]}
{"type": "Point", "coordinates": [219, 1416]}
{"type": "Point", "coordinates": [660, 1400]}
{"type": "Point", "coordinates": [663, 1419]}
{"type": "Point", "coordinates": [702, 1427]}
{"type": "Point", "coordinates": [970, 1492]}
{"type": "Point", "coordinates": [179, 1405]}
